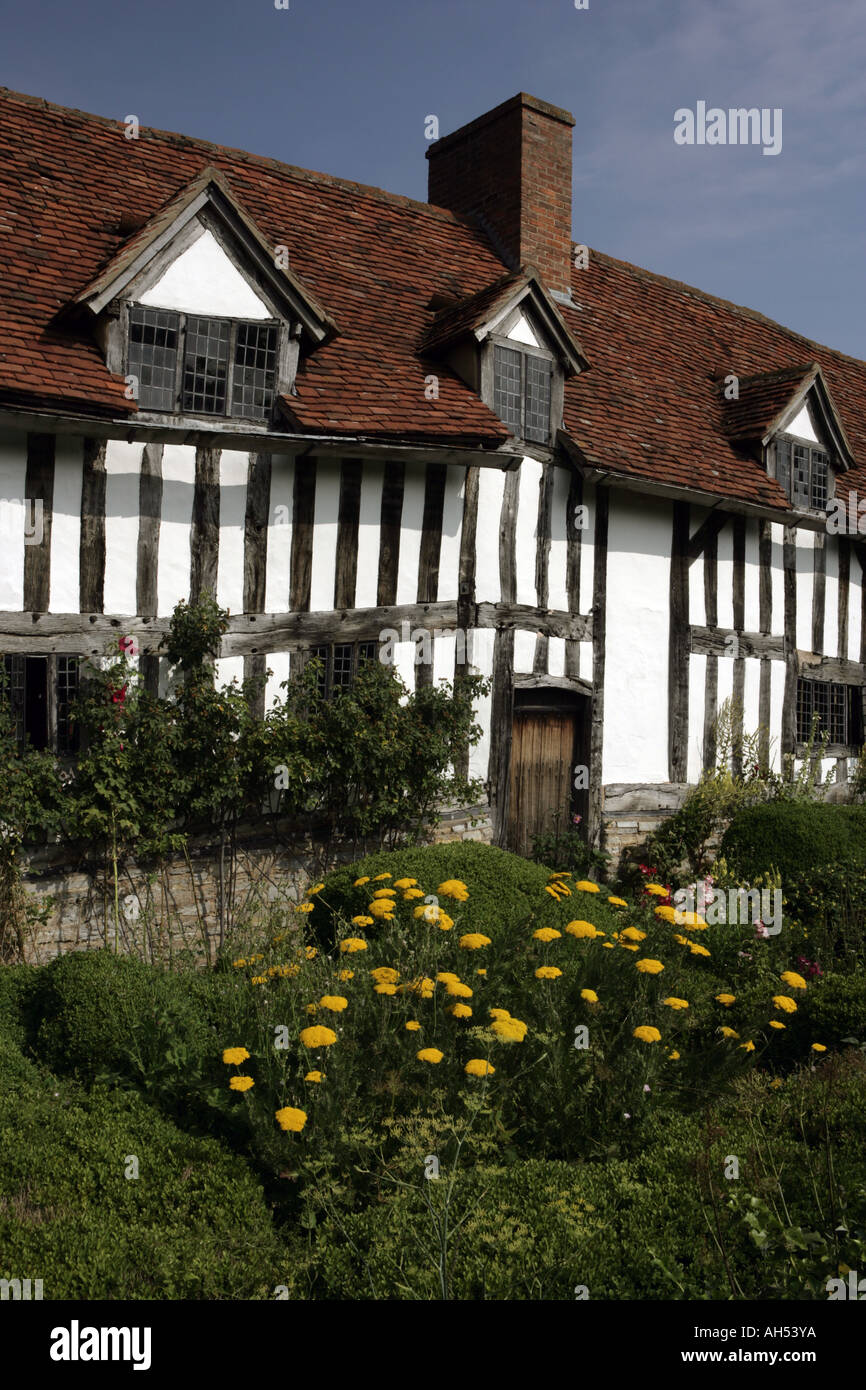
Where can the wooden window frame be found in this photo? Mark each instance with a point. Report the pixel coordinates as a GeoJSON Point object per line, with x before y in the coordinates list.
{"type": "Point", "coordinates": [854, 719]}
{"type": "Point", "coordinates": [326, 651]}
{"type": "Point", "coordinates": [792, 441]}
{"type": "Point", "coordinates": [52, 702]}
{"type": "Point", "coordinates": [557, 384]}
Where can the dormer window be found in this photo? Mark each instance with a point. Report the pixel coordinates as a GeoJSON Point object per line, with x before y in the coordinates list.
{"type": "Point", "coordinates": [803, 471]}
{"type": "Point", "coordinates": [522, 391]}
{"type": "Point", "coordinates": [202, 366]}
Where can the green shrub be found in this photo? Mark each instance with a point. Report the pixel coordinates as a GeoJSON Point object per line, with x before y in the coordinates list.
{"type": "Point", "coordinates": [796, 837]}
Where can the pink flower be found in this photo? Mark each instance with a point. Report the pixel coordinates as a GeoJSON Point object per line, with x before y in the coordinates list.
{"type": "Point", "coordinates": [646, 1088]}
{"type": "Point", "coordinates": [761, 932]}
{"type": "Point", "coordinates": [128, 645]}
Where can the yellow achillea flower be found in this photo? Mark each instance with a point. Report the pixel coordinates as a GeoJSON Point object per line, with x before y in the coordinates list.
{"type": "Point", "coordinates": [482, 970]}
{"type": "Point", "coordinates": [259, 980]}
{"type": "Point", "coordinates": [241, 1083]}
{"type": "Point", "coordinates": [608, 945]}
{"type": "Point", "coordinates": [423, 986]}
{"type": "Point", "coordinates": [385, 988]}
{"type": "Point", "coordinates": [776, 1082]}
{"type": "Point", "coordinates": [382, 907]}
{"type": "Point", "coordinates": [818, 1047]}
{"type": "Point", "coordinates": [589, 995]}
{"type": "Point", "coordinates": [648, 966]}
{"type": "Point", "coordinates": [317, 888]}
{"type": "Point", "coordinates": [499, 1013]}
{"type": "Point", "coordinates": [698, 950]}
{"type": "Point", "coordinates": [727, 1032]}
{"type": "Point", "coordinates": [430, 1054]}
{"type": "Point", "coordinates": [314, 1076]}
{"type": "Point", "coordinates": [318, 1036]}
{"type": "Point", "coordinates": [233, 1056]}
{"type": "Point", "coordinates": [586, 886]}
{"type": "Point", "coordinates": [691, 920]}
{"type": "Point", "coordinates": [304, 907]}
{"type": "Point", "coordinates": [509, 1029]}
{"type": "Point", "coordinates": [380, 876]}
{"type": "Point", "coordinates": [458, 989]}
{"type": "Point", "coordinates": [546, 934]}
{"type": "Point", "coordinates": [461, 1011]}
{"type": "Point", "coordinates": [547, 972]}
{"type": "Point", "coordinates": [239, 963]}
{"type": "Point", "coordinates": [362, 921]}
{"type": "Point", "coordinates": [683, 940]}
{"type": "Point", "coordinates": [288, 972]}
{"type": "Point", "coordinates": [618, 902]}
{"type": "Point", "coordinates": [478, 1067]}
{"type": "Point", "coordinates": [444, 922]}
{"type": "Point", "coordinates": [674, 1003]}
{"type": "Point", "coordinates": [446, 976]}
{"type": "Point", "coordinates": [791, 978]}
{"type": "Point", "coordinates": [666, 913]}
{"type": "Point", "coordinates": [346, 975]}
{"type": "Point", "coordinates": [552, 891]}
{"type": "Point", "coordinates": [412, 893]}
{"type": "Point", "coordinates": [312, 1008]}
{"type": "Point", "coordinates": [405, 882]}
{"type": "Point", "coordinates": [413, 1025]}
{"type": "Point", "coordinates": [785, 1003]}
{"type": "Point", "coordinates": [627, 946]}
{"type": "Point", "coordinates": [748, 1046]}
{"type": "Point", "coordinates": [646, 1033]}
{"type": "Point", "coordinates": [252, 960]}
{"type": "Point", "coordinates": [634, 934]}
{"type": "Point", "coordinates": [335, 1002]}
{"type": "Point", "coordinates": [453, 888]}
{"type": "Point", "coordinates": [359, 881]}
{"type": "Point", "coordinates": [726, 999]}
{"type": "Point", "coordinates": [310, 952]}
{"type": "Point", "coordinates": [385, 893]}
{"type": "Point", "coordinates": [385, 975]}
{"type": "Point", "coordinates": [581, 929]}
{"type": "Point", "coordinates": [657, 890]}
{"type": "Point", "coordinates": [673, 1056]}
{"type": "Point", "coordinates": [774, 1023]}
{"type": "Point", "coordinates": [291, 1119]}
{"type": "Point", "coordinates": [473, 941]}
{"type": "Point", "coordinates": [351, 945]}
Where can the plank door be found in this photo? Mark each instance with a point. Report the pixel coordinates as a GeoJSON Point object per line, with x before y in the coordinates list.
{"type": "Point", "coordinates": [543, 744]}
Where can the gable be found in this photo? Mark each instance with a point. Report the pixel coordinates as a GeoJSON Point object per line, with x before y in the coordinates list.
{"type": "Point", "coordinates": [521, 332]}
{"type": "Point", "coordinates": [202, 279]}
{"type": "Point", "coordinates": [802, 425]}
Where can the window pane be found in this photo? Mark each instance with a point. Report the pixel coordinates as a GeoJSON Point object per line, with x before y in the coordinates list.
{"type": "Point", "coordinates": [838, 715]}
{"type": "Point", "coordinates": [800, 495]}
{"type": "Point", "coordinates": [783, 466]}
{"type": "Point", "coordinates": [153, 338]}
{"type": "Point", "coordinates": [255, 359]}
{"type": "Point", "coordinates": [14, 691]}
{"type": "Point", "coordinates": [343, 672]}
{"type": "Point", "coordinates": [820, 465]}
{"type": "Point", "coordinates": [67, 689]}
{"type": "Point", "coordinates": [367, 651]}
{"type": "Point", "coordinates": [507, 395]}
{"type": "Point", "coordinates": [205, 366]}
{"type": "Point", "coordinates": [537, 399]}
{"type": "Point", "coordinates": [804, 710]}
{"type": "Point", "coordinates": [322, 680]}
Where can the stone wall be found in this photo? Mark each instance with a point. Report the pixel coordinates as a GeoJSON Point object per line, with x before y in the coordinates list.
{"type": "Point", "coordinates": [632, 811]}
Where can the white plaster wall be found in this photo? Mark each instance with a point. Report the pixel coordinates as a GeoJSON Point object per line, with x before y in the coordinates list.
{"type": "Point", "coordinates": [855, 608]}
{"type": "Point", "coordinates": [66, 525]}
{"type": "Point", "coordinates": [524, 652]}
{"type": "Point", "coordinates": [404, 664]}
{"type": "Point", "coordinates": [725, 586]}
{"type": "Point", "coordinates": [234, 471]}
{"type": "Point", "coordinates": [777, 700]}
{"type": "Point", "coordinates": [831, 598]}
{"type": "Point", "coordinates": [228, 669]}
{"type": "Point", "coordinates": [202, 280]}
{"type": "Point", "coordinates": [13, 474]}
{"type": "Point", "coordinates": [697, 605]}
{"type": "Point", "coordinates": [122, 481]}
{"type": "Point", "coordinates": [522, 333]}
{"type": "Point", "coordinates": [173, 566]}
{"type": "Point", "coordinates": [556, 656]}
{"type": "Point", "coordinates": [452, 527]}
{"type": "Point", "coordinates": [777, 538]}
{"type": "Point", "coordinates": [752, 696]}
{"type": "Point", "coordinates": [526, 531]}
{"type": "Point", "coordinates": [557, 563]}
{"type": "Point", "coordinates": [637, 631]}
{"type": "Point", "coordinates": [805, 586]}
{"type": "Point", "coordinates": [585, 661]}
{"type": "Point", "coordinates": [491, 482]}
{"type": "Point", "coordinates": [752, 589]}
{"type": "Point", "coordinates": [369, 529]}
{"type": "Point", "coordinates": [444, 647]}
{"type": "Point", "coordinates": [279, 665]}
{"type": "Point", "coordinates": [726, 680]}
{"type": "Point", "coordinates": [279, 558]}
{"type": "Point", "coordinates": [587, 556]}
{"type": "Point", "coordinates": [410, 536]}
{"type": "Point", "coordinates": [697, 705]}
{"type": "Point", "coordinates": [802, 425]}
{"type": "Point", "coordinates": [325, 527]}
{"type": "Point", "coordinates": [481, 662]}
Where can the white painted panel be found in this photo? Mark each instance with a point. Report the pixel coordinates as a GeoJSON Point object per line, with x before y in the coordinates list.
{"type": "Point", "coordinates": [805, 588]}
{"type": "Point", "coordinates": [777, 574]}
{"type": "Point", "coordinates": [697, 704]}
{"type": "Point", "coordinates": [369, 532]}
{"type": "Point", "coordinates": [556, 569]}
{"type": "Point", "coordinates": [726, 680]}
{"type": "Point", "coordinates": [636, 680]}
{"type": "Point", "coordinates": [481, 658]}
{"type": "Point", "coordinates": [326, 525]}
{"type": "Point", "coordinates": [404, 654]}
{"type": "Point", "coordinates": [752, 696]}
{"type": "Point", "coordinates": [585, 661]}
{"type": "Point", "coordinates": [444, 645]}
{"type": "Point", "coordinates": [802, 426]}
{"type": "Point", "coordinates": [752, 578]}
{"type": "Point", "coordinates": [587, 553]}
{"type": "Point", "coordinates": [228, 669]}
{"type": "Point", "coordinates": [279, 561]}
{"type": "Point", "coordinates": [524, 652]}
{"type": "Point", "coordinates": [234, 470]}
{"type": "Point", "coordinates": [725, 585]}
{"type": "Point", "coordinates": [452, 527]}
{"type": "Point", "coordinates": [66, 525]}
{"type": "Point", "coordinates": [522, 333]}
{"type": "Point", "coordinates": [178, 483]}
{"type": "Point", "coordinates": [491, 483]}
{"type": "Point", "coordinates": [122, 482]}
{"type": "Point", "coordinates": [279, 665]}
{"type": "Point", "coordinates": [526, 531]}
{"type": "Point", "coordinates": [831, 598]}
{"type": "Point", "coordinates": [697, 603]}
{"type": "Point", "coordinates": [202, 280]}
{"type": "Point", "coordinates": [13, 475]}
{"type": "Point", "coordinates": [855, 609]}
{"type": "Point", "coordinates": [777, 700]}
{"type": "Point", "coordinates": [410, 535]}
{"type": "Point", "coordinates": [556, 656]}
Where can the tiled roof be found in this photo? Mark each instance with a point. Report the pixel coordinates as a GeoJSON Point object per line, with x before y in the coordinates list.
{"type": "Point", "coordinates": [74, 193]}
{"type": "Point", "coordinates": [762, 399]}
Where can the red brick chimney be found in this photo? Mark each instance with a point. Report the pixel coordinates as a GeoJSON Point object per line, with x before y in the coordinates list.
{"type": "Point", "coordinates": [510, 170]}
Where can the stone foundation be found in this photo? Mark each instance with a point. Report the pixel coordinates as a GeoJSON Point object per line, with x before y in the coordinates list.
{"type": "Point", "coordinates": [632, 811]}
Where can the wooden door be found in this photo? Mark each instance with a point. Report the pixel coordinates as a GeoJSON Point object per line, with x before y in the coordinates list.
{"type": "Point", "coordinates": [543, 744]}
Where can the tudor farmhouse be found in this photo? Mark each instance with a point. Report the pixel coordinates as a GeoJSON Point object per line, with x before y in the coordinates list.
{"type": "Point", "coordinates": [348, 413]}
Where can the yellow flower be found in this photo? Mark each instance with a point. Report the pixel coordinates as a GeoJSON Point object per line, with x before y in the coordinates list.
{"type": "Point", "coordinates": [818, 1047]}
{"type": "Point", "coordinates": [482, 970]}
{"type": "Point", "coordinates": [509, 1029]}
{"type": "Point", "coordinates": [478, 1067]}
{"type": "Point", "coordinates": [444, 921]}
{"type": "Point", "coordinates": [413, 1025]}
{"type": "Point", "coordinates": [241, 1083]}
{"type": "Point", "coordinates": [310, 952]}
{"type": "Point", "coordinates": [456, 988]}
{"type": "Point", "coordinates": [346, 975]}
{"type": "Point", "coordinates": [238, 963]}
{"type": "Point", "coordinates": [552, 891]}
{"type": "Point", "coordinates": [385, 988]}
{"type": "Point", "coordinates": [351, 945]}
{"type": "Point", "coordinates": [291, 1119]}
{"type": "Point", "coordinates": [656, 890]}
{"type": "Point", "coordinates": [317, 888]}
{"type": "Point", "coordinates": [461, 1011]}
{"type": "Point", "coordinates": [646, 1033]}
{"type": "Point", "coordinates": [748, 1046]}
{"type": "Point", "coordinates": [581, 929]}
{"type": "Point", "coordinates": [627, 946]}
{"type": "Point", "coordinates": [233, 1056]}
{"type": "Point", "coordinates": [698, 950]}
{"type": "Point", "coordinates": [362, 921]}
{"type": "Point", "coordinates": [666, 913]}
{"type": "Point", "coordinates": [691, 919]}
{"type": "Point", "coordinates": [546, 934]}
{"type": "Point", "coordinates": [380, 876]}
{"type": "Point", "coordinates": [473, 941]}
{"type": "Point", "coordinates": [674, 1003]}
{"type": "Point", "coordinates": [673, 1056]}
{"type": "Point", "coordinates": [259, 980]}
{"type": "Point", "coordinates": [726, 999]}
{"type": "Point", "coordinates": [318, 1036]}
{"type": "Point", "coordinates": [608, 945]}
{"type": "Point", "coordinates": [384, 908]}
{"type": "Point", "coordinates": [727, 1032]}
{"type": "Point", "coordinates": [683, 940]}
{"type": "Point", "coordinates": [358, 882]}
{"type": "Point", "coordinates": [618, 902]}
{"type": "Point", "coordinates": [633, 934]}
{"type": "Point", "coordinates": [786, 1004]}
{"type": "Point", "coordinates": [453, 888]}
{"type": "Point", "coordinates": [304, 907]}
{"type": "Point", "coordinates": [405, 882]}
{"type": "Point", "coordinates": [335, 1002]}
{"type": "Point", "coordinates": [792, 979]}
{"type": "Point", "coordinates": [385, 975]}
{"type": "Point", "coordinates": [586, 887]}
{"type": "Point", "coordinates": [288, 971]}
{"type": "Point", "coordinates": [446, 976]}
{"type": "Point", "coordinates": [648, 966]}
{"type": "Point", "coordinates": [313, 1076]}
{"type": "Point", "coordinates": [776, 1082]}
{"type": "Point", "coordinates": [547, 972]}
{"type": "Point", "coordinates": [430, 1054]}
{"type": "Point", "coordinates": [423, 986]}
{"type": "Point", "coordinates": [774, 1023]}
{"type": "Point", "coordinates": [499, 1013]}
{"type": "Point", "coordinates": [589, 995]}
{"type": "Point", "coordinates": [385, 893]}
{"type": "Point", "coordinates": [312, 1008]}
{"type": "Point", "coordinates": [412, 893]}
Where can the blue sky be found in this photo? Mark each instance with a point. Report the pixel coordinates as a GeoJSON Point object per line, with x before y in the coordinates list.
{"type": "Point", "coordinates": [346, 87]}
